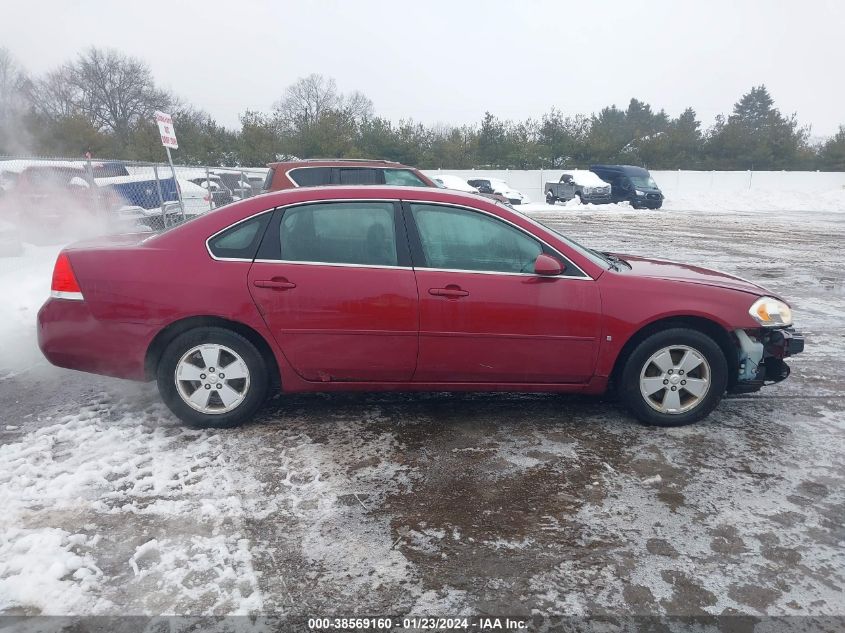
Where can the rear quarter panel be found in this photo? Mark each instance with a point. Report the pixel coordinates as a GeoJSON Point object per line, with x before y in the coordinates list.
{"type": "Point", "coordinates": [154, 284]}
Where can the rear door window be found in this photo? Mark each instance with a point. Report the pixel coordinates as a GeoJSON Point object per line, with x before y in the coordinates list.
{"type": "Point", "coordinates": [311, 176]}
{"type": "Point", "coordinates": [359, 176]}
{"type": "Point", "coordinates": [358, 233]}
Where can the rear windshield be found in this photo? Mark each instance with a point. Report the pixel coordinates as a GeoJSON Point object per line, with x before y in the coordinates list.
{"type": "Point", "coordinates": [268, 180]}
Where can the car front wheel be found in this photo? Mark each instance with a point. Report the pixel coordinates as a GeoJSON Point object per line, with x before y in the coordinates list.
{"type": "Point", "coordinates": [674, 377]}
{"type": "Point", "coordinates": [212, 377]}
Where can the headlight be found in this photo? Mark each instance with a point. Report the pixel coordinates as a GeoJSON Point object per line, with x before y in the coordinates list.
{"type": "Point", "coordinates": [638, 192]}
{"type": "Point", "coordinates": [770, 312]}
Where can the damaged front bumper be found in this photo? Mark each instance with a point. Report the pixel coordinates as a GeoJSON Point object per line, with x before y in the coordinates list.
{"type": "Point", "coordinates": [761, 353]}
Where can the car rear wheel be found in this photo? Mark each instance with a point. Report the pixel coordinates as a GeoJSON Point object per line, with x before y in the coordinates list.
{"type": "Point", "coordinates": [674, 377]}
{"type": "Point", "coordinates": [212, 377]}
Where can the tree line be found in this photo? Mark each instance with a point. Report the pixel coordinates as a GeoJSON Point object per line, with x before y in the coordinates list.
{"type": "Point", "coordinates": [103, 101]}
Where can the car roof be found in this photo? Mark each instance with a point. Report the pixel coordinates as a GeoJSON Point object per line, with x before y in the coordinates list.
{"type": "Point", "coordinates": [337, 162]}
{"type": "Point", "coordinates": [365, 192]}
{"type": "Point", "coordinates": [622, 169]}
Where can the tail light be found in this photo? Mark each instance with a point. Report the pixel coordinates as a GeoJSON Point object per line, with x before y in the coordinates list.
{"type": "Point", "coordinates": [64, 284]}
{"type": "Point", "coordinates": [206, 197]}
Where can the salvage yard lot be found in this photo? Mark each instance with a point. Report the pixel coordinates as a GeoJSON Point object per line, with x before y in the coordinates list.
{"type": "Point", "coordinates": [439, 503]}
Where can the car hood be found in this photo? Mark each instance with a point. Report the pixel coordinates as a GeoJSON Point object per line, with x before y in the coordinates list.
{"type": "Point", "coordinates": [674, 271]}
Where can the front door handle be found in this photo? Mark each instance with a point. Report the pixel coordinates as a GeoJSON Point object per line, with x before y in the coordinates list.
{"type": "Point", "coordinates": [274, 284]}
{"type": "Point", "coordinates": [450, 291]}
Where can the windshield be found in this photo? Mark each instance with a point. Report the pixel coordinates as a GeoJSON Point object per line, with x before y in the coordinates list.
{"type": "Point", "coordinates": [594, 256]}
{"type": "Point", "coordinates": [643, 182]}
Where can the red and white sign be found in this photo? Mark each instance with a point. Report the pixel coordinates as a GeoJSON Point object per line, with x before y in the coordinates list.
{"type": "Point", "coordinates": [165, 129]}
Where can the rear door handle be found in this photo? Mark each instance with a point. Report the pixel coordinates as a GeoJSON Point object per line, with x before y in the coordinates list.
{"type": "Point", "coordinates": [452, 292]}
{"type": "Point", "coordinates": [274, 284]}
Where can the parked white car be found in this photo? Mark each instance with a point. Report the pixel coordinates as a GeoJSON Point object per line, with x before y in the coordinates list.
{"type": "Point", "coordinates": [450, 181]}
{"type": "Point", "coordinates": [195, 198]}
{"type": "Point", "coordinates": [256, 180]}
{"type": "Point", "coordinates": [496, 185]}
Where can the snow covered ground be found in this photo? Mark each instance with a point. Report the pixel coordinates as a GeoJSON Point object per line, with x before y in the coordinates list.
{"type": "Point", "coordinates": [706, 191]}
{"type": "Point", "coordinates": [440, 503]}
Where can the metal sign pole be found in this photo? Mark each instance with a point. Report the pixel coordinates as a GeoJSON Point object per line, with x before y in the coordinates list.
{"type": "Point", "coordinates": [208, 187]}
{"type": "Point", "coordinates": [175, 182]}
{"type": "Point", "coordinates": [160, 198]}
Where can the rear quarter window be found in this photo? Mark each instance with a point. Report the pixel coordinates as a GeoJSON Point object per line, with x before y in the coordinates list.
{"type": "Point", "coordinates": [403, 178]}
{"type": "Point", "coordinates": [241, 240]}
{"type": "Point", "coordinates": [311, 176]}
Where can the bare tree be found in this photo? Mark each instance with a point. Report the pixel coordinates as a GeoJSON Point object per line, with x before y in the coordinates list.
{"type": "Point", "coordinates": [112, 90]}
{"type": "Point", "coordinates": [305, 101]}
{"type": "Point", "coordinates": [14, 93]}
{"type": "Point", "coordinates": [55, 97]}
{"type": "Point", "coordinates": [357, 106]}
{"type": "Point", "coordinates": [13, 87]}
{"type": "Point", "coordinates": [311, 98]}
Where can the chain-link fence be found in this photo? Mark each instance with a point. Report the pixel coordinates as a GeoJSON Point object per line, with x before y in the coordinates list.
{"type": "Point", "coordinates": [45, 200]}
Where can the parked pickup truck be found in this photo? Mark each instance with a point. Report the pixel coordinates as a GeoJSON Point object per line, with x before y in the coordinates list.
{"type": "Point", "coordinates": [581, 184]}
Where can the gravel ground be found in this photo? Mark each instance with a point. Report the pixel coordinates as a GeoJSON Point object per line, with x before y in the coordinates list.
{"type": "Point", "coordinates": [447, 504]}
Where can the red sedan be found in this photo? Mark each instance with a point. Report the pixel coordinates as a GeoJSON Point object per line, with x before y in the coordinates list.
{"type": "Point", "coordinates": [403, 288]}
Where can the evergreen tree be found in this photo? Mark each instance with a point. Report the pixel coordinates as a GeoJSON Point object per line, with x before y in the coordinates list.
{"type": "Point", "coordinates": [832, 154]}
{"type": "Point", "coordinates": [756, 135]}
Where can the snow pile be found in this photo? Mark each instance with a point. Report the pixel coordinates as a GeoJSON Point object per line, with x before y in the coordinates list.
{"type": "Point", "coordinates": [47, 570]}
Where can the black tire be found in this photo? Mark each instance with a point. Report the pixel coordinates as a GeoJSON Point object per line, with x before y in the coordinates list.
{"type": "Point", "coordinates": [550, 200]}
{"type": "Point", "coordinates": [255, 392]}
{"type": "Point", "coordinates": [703, 345]}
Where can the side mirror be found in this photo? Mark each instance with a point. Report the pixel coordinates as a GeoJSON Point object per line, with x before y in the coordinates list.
{"type": "Point", "coordinates": [547, 265]}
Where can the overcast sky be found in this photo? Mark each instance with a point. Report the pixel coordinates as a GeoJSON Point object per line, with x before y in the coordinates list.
{"type": "Point", "coordinates": [450, 61]}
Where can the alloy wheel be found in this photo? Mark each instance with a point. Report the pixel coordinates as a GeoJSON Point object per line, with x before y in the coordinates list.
{"type": "Point", "coordinates": [675, 379]}
{"type": "Point", "coordinates": [212, 378]}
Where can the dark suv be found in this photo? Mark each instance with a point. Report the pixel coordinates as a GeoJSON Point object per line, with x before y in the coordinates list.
{"type": "Point", "coordinates": [318, 172]}
{"type": "Point", "coordinates": [630, 183]}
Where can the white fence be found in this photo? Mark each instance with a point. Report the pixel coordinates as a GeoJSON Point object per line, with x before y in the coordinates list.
{"type": "Point", "coordinates": [679, 183]}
